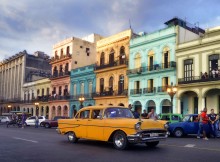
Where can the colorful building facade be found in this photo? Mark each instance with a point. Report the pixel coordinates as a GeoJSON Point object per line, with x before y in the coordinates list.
{"type": "Point", "coordinates": [199, 73]}
{"type": "Point", "coordinates": [110, 70]}
{"type": "Point", "coordinates": [152, 66]}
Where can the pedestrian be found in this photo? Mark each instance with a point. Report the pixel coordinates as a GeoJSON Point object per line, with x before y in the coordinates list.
{"type": "Point", "coordinates": [137, 112]}
{"type": "Point", "coordinates": [205, 120]}
{"type": "Point", "coordinates": [36, 121]}
{"type": "Point", "coordinates": [23, 118]}
{"type": "Point", "coordinates": [144, 115]}
{"type": "Point", "coordinates": [213, 118]}
{"type": "Point", "coordinates": [130, 106]}
{"type": "Point", "coordinates": [200, 125]}
{"type": "Point", "coordinates": [152, 115]}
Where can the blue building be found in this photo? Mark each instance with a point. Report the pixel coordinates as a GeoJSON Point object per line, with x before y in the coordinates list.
{"type": "Point", "coordinates": [83, 82]}
{"type": "Point", "coordinates": [152, 66]}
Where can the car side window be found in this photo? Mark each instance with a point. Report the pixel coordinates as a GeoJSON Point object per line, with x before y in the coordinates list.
{"type": "Point", "coordinates": [96, 114]}
{"type": "Point", "coordinates": [175, 117]}
{"type": "Point", "coordinates": [33, 117]}
{"type": "Point", "coordinates": [84, 114]}
{"type": "Point", "coordinates": [40, 117]}
{"type": "Point", "coordinates": [165, 117]}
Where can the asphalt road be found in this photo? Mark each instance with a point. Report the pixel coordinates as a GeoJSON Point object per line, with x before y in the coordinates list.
{"type": "Point", "coordinates": [30, 144]}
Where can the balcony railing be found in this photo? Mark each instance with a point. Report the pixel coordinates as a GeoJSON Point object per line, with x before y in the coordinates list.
{"type": "Point", "coordinates": [195, 79]}
{"type": "Point", "coordinates": [58, 97]}
{"type": "Point", "coordinates": [113, 64]}
{"type": "Point", "coordinates": [57, 58]}
{"type": "Point", "coordinates": [135, 91]}
{"type": "Point", "coordinates": [149, 90]}
{"type": "Point", "coordinates": [86, 96]}
{"type": "Point", "coordinates": [61, 74]}
{"type": "Point", "coordinates": [156, 67]}
{"type": "Point", "coordinates": [111, 93]}
{"type": "Point", "coordinates": [41, 99]}
{"type": "Point", "coordinates": [162, 89]}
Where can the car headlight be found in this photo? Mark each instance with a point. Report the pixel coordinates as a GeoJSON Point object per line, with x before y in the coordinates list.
{"type": "Point", "coordinates": [137, 126]}
{"type": "Point", "coordinates": [166, 126]}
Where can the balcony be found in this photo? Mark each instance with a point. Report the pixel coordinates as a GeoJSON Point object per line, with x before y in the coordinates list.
{"type": "Point", "coordinates": [135, 91]}
{"type": "Point", "coordinates": [60, 75]}
{"type": "Point", "coordinates": [109, 65]}
{"type": "Point", "coordinates": [162, 89]}
{"type": "Point", "coordinates": [59, 97]}
{"type": "Point", "coordinates": [149, 90]}
{"type": "Point", "coordinates": [41, 99]}
{"type": "Point", "coordinates": [111, 93]}
{"type": "Point", "coordinates": [153, 68]}
{"type": "Point", "coordinates": [196, 79]}
{"type": "Point", "coordinates": [87, 96]}
{"type": "Point", "coordinates": [60, 58]}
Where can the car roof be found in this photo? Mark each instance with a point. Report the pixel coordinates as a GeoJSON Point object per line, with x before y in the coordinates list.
{"type": "Point", "coordinates": [101, 107]}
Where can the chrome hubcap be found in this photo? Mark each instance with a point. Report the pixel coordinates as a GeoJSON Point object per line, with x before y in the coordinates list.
{"type": "Point", "coordinates": [178, 133]}
{"type": "Point", "coordinates": [70, 136]}
{"type": "Point", "coordinates": [119, 140]}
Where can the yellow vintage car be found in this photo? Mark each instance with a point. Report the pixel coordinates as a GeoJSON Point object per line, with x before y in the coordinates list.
{"type": "Point", "coordinates": [112, 124]}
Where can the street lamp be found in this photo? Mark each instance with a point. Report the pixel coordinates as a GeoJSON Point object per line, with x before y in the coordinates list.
{"type": "Point", "coordinates": [81, 100]}
{"type": "Point", "coordinates": [37, 108]}
{"type": "Point", "coordinates": [171, 90]}
{"type": "Point", "coordinates": [9, 107]}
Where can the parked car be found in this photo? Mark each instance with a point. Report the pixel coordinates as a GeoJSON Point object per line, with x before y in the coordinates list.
{"type": "Point", "coordinates": [5, 119]}
{"type": "Point", "coordinates": [52, 123]}
{"type": "Point", "coordinates": [112, 124]}
{"type": "Point", "coordinates": [171, 118]}
{"type": "Point", "coordinates": [189, 125]}
{"type": "Point", "coordinates": [31, 120]}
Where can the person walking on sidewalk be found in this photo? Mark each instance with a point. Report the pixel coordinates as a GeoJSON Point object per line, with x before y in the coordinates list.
{"type": "Point", "coordinates": [36, 121]}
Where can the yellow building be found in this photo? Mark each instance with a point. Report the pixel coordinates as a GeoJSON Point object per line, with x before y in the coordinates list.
{"type": "Point", "coordinates": [111, 67]}
{"type": "Point", "coordinates": [36, 96]}
{"type": "Point", "coordinates": [198, 72]}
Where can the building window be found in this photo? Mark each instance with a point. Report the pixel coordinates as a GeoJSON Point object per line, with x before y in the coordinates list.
{"type": "Point", "coordinates": [61, 69]}
{"type": "Point", "coordinates": [122, 55]}
{"type": "Point", "coordinates": [60, 90]}
{"type": "Point", "coordinates": [87, 51]}
{"type": "Point", "coordinates": [150, 85]}
{"type": "Point", "coordinates": [65, 91]}
{"type": "Point", "coordinates": [43, 92]}
{"type": "Point", "coordinates": [188, 69]}
{"type": "Point", "coordinates": [82, 89]}
{"type": "Point", "coordinates": [67, 50]}
{"type": "Point", "coordinates": [111, 84]}
{"type": "Point", "coordinates": [165, 60]}
{"type": "Point", "coordinates": [214, 62]}
{"type": "Point", "coordinates": [32, 95]}
{"type": "Point", "coordinates": [75, 62]}
{"type": "Point", "coordinates": [111, 57]}
{"type": "Point", "coordinates": [38, 92]}
{"type": "Point", "coordinates": [137, 61]}
{"type": "Point", "coordinates": [74, 89]}
{"type": "Point", "coordinates": [101, 85]}
{"type": "Point", "coordinates": [54, 90]}
{"type": "Point", "coordinates": [48, 91]}
{"type": "Point", "coordinates": [102, 59]}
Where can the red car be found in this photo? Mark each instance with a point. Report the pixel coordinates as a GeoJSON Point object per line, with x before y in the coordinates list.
{"type": "Point", "coordinates": [52, 123]}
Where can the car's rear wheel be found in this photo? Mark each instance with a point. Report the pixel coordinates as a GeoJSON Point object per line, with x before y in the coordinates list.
{"type": "Point", "coordinates": [72, 137]}
{"type": "Point", "coordinates": [47, 125]}
{"type": "Point", "coordinates": [152, 144]}
{"type": "Point", "coordinates": [178, 132]}
{"type": "Point", "coordinates": [120, 140]}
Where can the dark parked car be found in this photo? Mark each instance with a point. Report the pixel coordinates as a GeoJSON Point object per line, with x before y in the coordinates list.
{"type": "Point", "coordinates": [189, 125]}
{"type": "Point", "coordinates": [52, 123]}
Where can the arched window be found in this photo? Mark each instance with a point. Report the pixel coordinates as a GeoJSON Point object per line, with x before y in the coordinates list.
{"type": "Point", "coordinates": [82, 89]}
{"type": "Point", "coordinates": [166, 57]}
{"type": "Point", "coordinates": [121, 84]}
{"type": "Point", "coordinates": [151, 60]}
{"type": "Point", "coordinates": [55, 71]}
{"type": "Point", "coordinates": [102, 58]}
{"type": "Point", "coordinates": [111, 57]}
{"type": "Point", "coordinates": [101, 85]}
{"type": "Point", "coordinates": [66, 68]}
{"type": "Point", "coordinates": [137, 60]}
{"type": "Point", "coordinates": [122, 56]}
{"type": "Point", "coordinates": [61, 52]}
{"type": "Point", "coordinates": [67, 50]}
{"type": "Point", "coordinates": [111, 84]}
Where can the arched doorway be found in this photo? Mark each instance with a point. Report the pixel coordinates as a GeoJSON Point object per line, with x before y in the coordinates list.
{"type": "Point", "coordinates": [189, 103]}
{"type": "Point", "coordinates": [59, 111]}
{"type": "Point", "coordinates": [137, 105]}
{"type": "Point", "coordinates": [65, 111]}
{"type": "Point", "coordinates": [111, 57]}
{"type": "Point", "coordinates": [47, 112]}
{"type": "Point", "coordinates": [53, 114]}
{"type": "Point", "coordinates": [166, 106]}
{"type": "Point", "coordinates": [42, 111]}
{"type": "Point", "coordinates": [212, 100]}
{"type": "Point", "coordinates": [122, 56]}
{"type": "Point", "coordinates": [151, 105]}
{"type": "Point", "coordinates": [27, 110]}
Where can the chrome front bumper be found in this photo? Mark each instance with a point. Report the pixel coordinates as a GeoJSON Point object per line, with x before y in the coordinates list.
{"type": "Point", "coordinates": [146, 137]}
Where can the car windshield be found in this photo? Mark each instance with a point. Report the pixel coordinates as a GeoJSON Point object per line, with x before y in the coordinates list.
{"type": "Point", "coordinates": [186, 118]}
{"type": "Point", "coordinates": [118, 113]}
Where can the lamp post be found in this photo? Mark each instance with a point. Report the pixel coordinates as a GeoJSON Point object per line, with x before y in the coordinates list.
{"type": "Point", "coordinates": [81, 100]}
{"type": "Point", "coordinates": [171, 90]}
{"type": "Point", "coordinates": [37, 108]}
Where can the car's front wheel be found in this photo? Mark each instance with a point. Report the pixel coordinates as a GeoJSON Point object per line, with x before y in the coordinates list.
{"type": "Point", "coordinates": [72, 137]}
{"type": "Point", "coordinates": [120, 140]}
{"type": "Point", "coordinates": [152, 144]}
{"type": "Point", "coordinates": [41, 124]}
{"type": "Point", "coordinates": [178, 132]}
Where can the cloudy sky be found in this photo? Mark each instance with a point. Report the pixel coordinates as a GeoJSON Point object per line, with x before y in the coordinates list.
{"type": "Point", "coordinates": [35, 25]}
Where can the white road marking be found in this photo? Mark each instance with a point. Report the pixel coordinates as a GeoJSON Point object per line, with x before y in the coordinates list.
{"type": "Point", "coordinates": [189, 145]}
{"type": "Point", "coordinates": [25, 140]}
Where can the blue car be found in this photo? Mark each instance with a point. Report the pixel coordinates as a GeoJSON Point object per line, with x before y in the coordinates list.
{"type": "Point", "coordinates": [189, 125]}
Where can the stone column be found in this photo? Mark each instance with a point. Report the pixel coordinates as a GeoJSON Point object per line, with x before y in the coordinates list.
{"type": "Point", "coordinates": [201, 103]}
{"type": "Point", "coordinates": [178, 106]}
